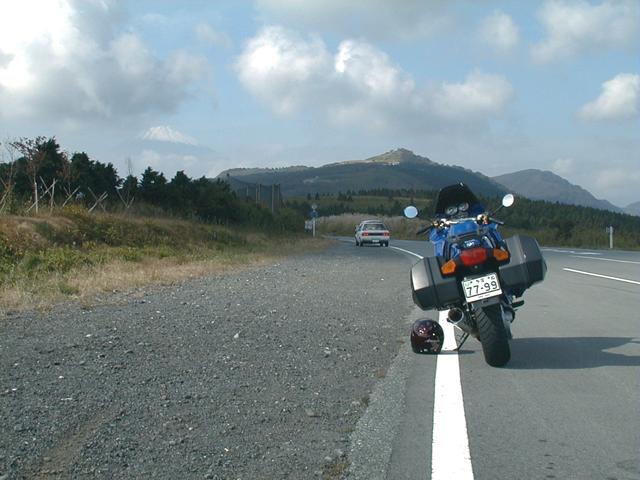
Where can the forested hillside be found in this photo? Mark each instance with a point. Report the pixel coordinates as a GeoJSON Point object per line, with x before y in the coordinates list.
{"type": "Point", "coordinates": [36, 175]}
{"type": "Point", "coordinates": [71, 227]}
{"type": "Point", "coordinates": [396, 169]}
{"type": "Point", "coordinates": [551, 223]}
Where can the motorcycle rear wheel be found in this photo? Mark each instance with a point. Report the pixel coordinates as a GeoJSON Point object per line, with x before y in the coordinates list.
{"type": "Point", "coordinates": [493, 335]}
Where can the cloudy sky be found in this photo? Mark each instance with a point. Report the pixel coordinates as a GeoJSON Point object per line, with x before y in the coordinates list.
{"type": "Point", "coordinates": [201, 86]}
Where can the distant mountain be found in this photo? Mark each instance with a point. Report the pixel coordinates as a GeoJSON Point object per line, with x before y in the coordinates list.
{"type": "Point", "coordinates": [633, 209]}
{"type": "Point", "coordinates": [397, 169]}
{"type": "Point", "coordinates": [545, 185]}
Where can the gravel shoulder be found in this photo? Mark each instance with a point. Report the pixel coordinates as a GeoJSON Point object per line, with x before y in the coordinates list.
{"type": "Point", "coordinates": [262, 373]}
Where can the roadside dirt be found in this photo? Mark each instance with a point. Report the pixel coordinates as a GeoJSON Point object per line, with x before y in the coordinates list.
{"type": "Point", "coordinates": [261, 373]}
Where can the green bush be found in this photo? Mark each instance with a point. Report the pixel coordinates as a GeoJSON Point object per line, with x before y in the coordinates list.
{"type": "Point", "coordinates": [59, 260]}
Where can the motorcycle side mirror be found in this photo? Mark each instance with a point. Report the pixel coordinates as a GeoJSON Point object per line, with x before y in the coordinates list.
{"type": "Point", "coordinates": [411, 212]}
{"type": "Point", "coordinates": [508, 200]}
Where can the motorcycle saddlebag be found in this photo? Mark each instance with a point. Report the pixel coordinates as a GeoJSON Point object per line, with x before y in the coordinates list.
{"type": "Point", "coordinates": [526, 265]}
{"type": "Point", "coordinates": [430, 289]}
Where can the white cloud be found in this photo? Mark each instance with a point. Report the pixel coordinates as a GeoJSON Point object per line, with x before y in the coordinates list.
{"type": "Point", "coordinates": [480, 95]}
{"type": "Point", "coordinates": [500, 32]}
{"type": "Point", "coordinates": [371, 18]}
{"type": "Point", "coordinates": [72, 64]}
{"type": "Point", "coordinates": [577, 26]}
{"type": "Point", "coordinates": [207, 34]}
{"type": "Point", "coordinates": [620, 99]}
{"type": "Point", "coordinates": [359, 85]}
{"type": "Point", "coordinates": [283, 70]}
{"type": "Point", "coordinates": [194, 164]}
{"type": "Point", "coordinates": [563, 166]}
{"type": "Point", "coordinates": [164, 133]}
{"type": "Point", "coordinates": [364, 66]}
{"type": "Point", "coordinates": [168, 163]}
{"type": "Point", "coordinates": [368, 89]}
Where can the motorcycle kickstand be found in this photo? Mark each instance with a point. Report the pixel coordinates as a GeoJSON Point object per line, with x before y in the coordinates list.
{"type": "Point", "coordinates": [463, 339]}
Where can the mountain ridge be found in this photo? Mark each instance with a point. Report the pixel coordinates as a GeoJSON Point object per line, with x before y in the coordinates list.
{"type": "Point", "coordinates": [546, 185]}
{"type": "Point", "coordinates": [394, 170]}
{"type": "Point", "coordinates": [403, 169]}
{"type": "Point", "coordinates": [633, 209]}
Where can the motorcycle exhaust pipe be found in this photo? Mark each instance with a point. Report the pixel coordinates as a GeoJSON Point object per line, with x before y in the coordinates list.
{"type": "Point", "coordinates": [455, 315]}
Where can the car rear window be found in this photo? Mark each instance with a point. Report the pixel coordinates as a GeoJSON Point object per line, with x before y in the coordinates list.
{"type": "Point", "coordinates": [374, 226]}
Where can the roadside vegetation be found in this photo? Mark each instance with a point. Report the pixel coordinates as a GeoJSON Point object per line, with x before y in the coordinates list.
{"type": "Point", "coordinates": [71, 227]}
{"type": "Point", "coordinates": [552, 224]}
{"type": "Point", "coordinates": [75, 254]}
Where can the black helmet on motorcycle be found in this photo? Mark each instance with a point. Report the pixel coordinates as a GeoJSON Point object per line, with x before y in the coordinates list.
{"type": "Point", "coordinates": [427, 336]}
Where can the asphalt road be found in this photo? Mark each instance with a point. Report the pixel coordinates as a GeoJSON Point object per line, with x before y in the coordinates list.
{"type": "Point", "coordinates": [566, 406]}
{"type": "Point", "coordinates": [303, 369]}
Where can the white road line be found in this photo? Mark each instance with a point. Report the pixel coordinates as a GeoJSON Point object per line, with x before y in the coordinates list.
{"type": "Point", "coordinates": [607, 259]}
{"type": "Point", "coordinates": [450, 456]}
{"type": "Point", "coordinates": [569, 251]}
{"type": "Point", "coordinates": [602, 276]}
{"type": "Point", "coordinates": [407, 251]}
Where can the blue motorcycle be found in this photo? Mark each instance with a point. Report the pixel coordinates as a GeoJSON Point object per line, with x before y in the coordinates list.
{"type": "Point", "coordinates": [474, 273]}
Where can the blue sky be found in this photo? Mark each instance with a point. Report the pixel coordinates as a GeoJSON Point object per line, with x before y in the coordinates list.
{"type": "Point", "coordinates": [204, 86]}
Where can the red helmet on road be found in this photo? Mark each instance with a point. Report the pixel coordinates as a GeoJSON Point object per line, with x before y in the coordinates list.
{"type": "Point", "coordinates": [427, 336]}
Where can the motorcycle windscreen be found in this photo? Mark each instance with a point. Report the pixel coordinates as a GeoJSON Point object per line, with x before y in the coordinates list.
{"type": "Point", "coordinates": [455, 195]}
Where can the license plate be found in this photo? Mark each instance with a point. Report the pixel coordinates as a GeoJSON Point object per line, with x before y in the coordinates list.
{"type": "Point", "coordinates": [481, 287]}
{"type": "Point", "coordinates": [375, 241]}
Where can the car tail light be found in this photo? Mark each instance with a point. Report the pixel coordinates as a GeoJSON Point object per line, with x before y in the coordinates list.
{"type": "Point", "coordinates": [385, 234]}
{"type": "Point", "coordinates": [365, 234]}
{"type": "Point", "coordinates": [500, 255]}
{"type": "Point", "coordinates": [448, 268]}
{"type": "Point", "coordinates": [473, 256]}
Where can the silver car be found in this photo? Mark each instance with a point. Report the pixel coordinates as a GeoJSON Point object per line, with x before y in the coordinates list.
{"type": "Point", "coordinates": [373, 232]}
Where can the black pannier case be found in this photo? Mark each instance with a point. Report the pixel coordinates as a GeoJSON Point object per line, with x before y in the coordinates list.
{"type": "Point", "coordinates": [430, 289]}
{"type": "Point", "coordinates": [526, 265]}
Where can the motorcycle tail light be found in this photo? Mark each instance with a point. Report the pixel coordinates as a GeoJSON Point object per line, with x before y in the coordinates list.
{"type": "Point", "coordinates": [473, 256]}
{"type": "Point", "coordinates": [448, 268]}
{"type": "Point", "coordinates": [500, 255]}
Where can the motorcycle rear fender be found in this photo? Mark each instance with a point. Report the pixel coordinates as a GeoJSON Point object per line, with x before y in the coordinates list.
{"type": "Point", "coordinates": [485, 302]}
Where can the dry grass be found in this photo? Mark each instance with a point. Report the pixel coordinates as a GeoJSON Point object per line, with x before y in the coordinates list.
{"type": "Point", "coordinates": [38, 272]}
{"type": "Point", "coordinates": [84, 284]}
{"type": "Point", "coordinates": [345, 224]}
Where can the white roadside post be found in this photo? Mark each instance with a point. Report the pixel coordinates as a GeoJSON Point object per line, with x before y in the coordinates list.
{"type": "Point", "coordinates": [610, 231]}
{"type": "Point", "coordinates": [314, 215]}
